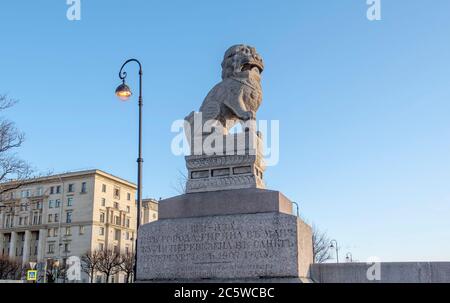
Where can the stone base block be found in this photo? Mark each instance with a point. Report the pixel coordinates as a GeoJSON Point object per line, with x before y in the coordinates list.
{"type": "Point", "coordinates": [226, 202]}
{"type": "Point", "coordinates": [231, 247]}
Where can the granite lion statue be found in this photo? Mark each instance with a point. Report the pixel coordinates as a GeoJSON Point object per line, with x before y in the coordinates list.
{"type": "Point", "coordinates": [238, 96]}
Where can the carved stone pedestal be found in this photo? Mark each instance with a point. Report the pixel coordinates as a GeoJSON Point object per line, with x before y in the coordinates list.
{"type": "Point", "coordinates": [204, 237]}
{"type": "Point", "coordinates": [237, 163]}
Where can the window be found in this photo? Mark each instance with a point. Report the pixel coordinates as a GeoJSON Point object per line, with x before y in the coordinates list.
{"type": "Point", "coordinates": [50, 203]}
{"type": "Point", "coordinates": [71, 188]}
{"type": "Point", "coordinates": [83, 187]}
{"type": "Point", "coordinates": [25, 193]}
{"type": "Point", "coordinates": [128, 196]}
{"type": "Point", "coordinates": [66, 247]}
{"type": "Point", "coordinates": [56, 218]}
{"type": "Point", "coordinates": [117, 193]}
{"type": "Point", "coordinates": [102, 231]}
{"type": "Point", "coordinates": [103, 188]}
{"type": "Point", "coordinates": [102, 217]}
{"type": "Point", "coordinates": [116, 205]}
{"type": "Point", "coordinates": [38, 205]}
{"type": "Point", "coordinates": [127, 250]}
{"type": "Point", "coordinates": [39, 191]}
{"type": "Point", "coordinates": [128, 222]}
{"type": "Point", "coordinates": [117, 220]}
{"type": "Point", "coordinates": [128, 209]}
{"type": "Point", "coordinates": [69, 201]}
{"type": "Point", "coordinates": [103, 201]}
{"type": "Point", "coordinates": [49, 232]}
{"type": "Point", "coordinates": [117, 235]}
{"type": "Point", "coordinates": [52, 190]}
{"type": "Point", "coordinates": [51, 248]}
{"type": "Point", "coordinates": [101, 246]}
{"type": "Point", "coordinates": [50, 218]}
{"type": "Point", "coordinates": [69, 217]}
{"type": "Point", "coordinates": [81, 231]}
{"type": "Point", "coordinates": [57, 203]}
{"type": "Point", "coordinates": [58, 189]}
{"type": "Point", "coordinates": [127, 235]}
{"type": "Point", "coordinates": [68, 231]}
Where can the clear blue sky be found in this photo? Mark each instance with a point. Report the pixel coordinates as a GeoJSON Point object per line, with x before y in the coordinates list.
{"type": "Point", "coordinates": [364, 107]}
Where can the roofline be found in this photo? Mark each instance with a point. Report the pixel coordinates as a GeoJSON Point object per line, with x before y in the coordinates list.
{"type": "Point", "coordinates": [73, 174]}
{"type": "Point", "coordinates": [150, 200]}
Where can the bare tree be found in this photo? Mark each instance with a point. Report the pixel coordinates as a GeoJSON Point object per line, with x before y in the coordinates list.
{"type": "Point", "coordinates": [180, 186]}
{"type": "Point", "coordinates": [127, 266]}
{"type": "Point", "coordinates": [10, 269]}
{"type": "Point", "coordinates": [89, 263]}
{"type": "Point", "coordinates": [4, 265]}
{"type": "Point", "coordinates": [13, 171]}
{"type": "Point", "coordinates": [109, 263]}
{"type": "Point", "coordinates": [55, 271]}
{"type": "Point", "coordinates": [51, 274]}
{"type": "Point", "coordinates": [321, 246]}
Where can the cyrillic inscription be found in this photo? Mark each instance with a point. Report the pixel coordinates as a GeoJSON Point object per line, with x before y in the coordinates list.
{"type": "Point", "coordinates": [219, 247]}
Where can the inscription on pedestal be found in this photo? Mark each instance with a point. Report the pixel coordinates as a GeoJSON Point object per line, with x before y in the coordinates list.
{"type": "Point", "coordinates": [225, 172]}
{"type": "Point", "coordinates": [237, 246]}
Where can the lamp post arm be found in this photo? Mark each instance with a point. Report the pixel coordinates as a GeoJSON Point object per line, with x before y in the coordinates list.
{"type": "Point", "coordinates": [297, 207]}
{"type": "Point", "coordinates": [123, 74]}
{"type": "Point", "coordinates": [337, 249]}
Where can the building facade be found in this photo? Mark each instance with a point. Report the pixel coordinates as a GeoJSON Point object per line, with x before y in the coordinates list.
{"type": "Point", "coordinates": [149, 211]}
{"type": "Point", "coordinates": [59, 216]}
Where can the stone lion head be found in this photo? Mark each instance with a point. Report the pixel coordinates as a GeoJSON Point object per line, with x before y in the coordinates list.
{"type": "Point", "coordinates": [240, 59]}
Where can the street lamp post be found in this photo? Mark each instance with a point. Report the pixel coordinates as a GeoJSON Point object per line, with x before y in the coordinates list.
{"type": "Point", "coordinates": [334, 245]}
{"type": "Point", "coordinates": [349, 257]}
{"type": "Point", "coordinates": [298, 208]}
{"type": "Point", "coordinates": [123, 92]}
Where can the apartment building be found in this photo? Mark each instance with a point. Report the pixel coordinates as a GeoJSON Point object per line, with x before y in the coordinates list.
{"type": "Point", "coordinates": [149, 211]}
{"type": "Point", "coordinates": [60, 216]}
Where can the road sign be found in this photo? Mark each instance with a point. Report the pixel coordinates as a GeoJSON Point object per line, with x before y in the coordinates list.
{"type": "Point", "coordinates": [32, 275]}
{"type": "Point", "coordinates": [33, 265]}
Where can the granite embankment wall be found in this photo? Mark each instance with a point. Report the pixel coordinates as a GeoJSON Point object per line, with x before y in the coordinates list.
{"type": "Point", "coordinates": [384, 272]}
